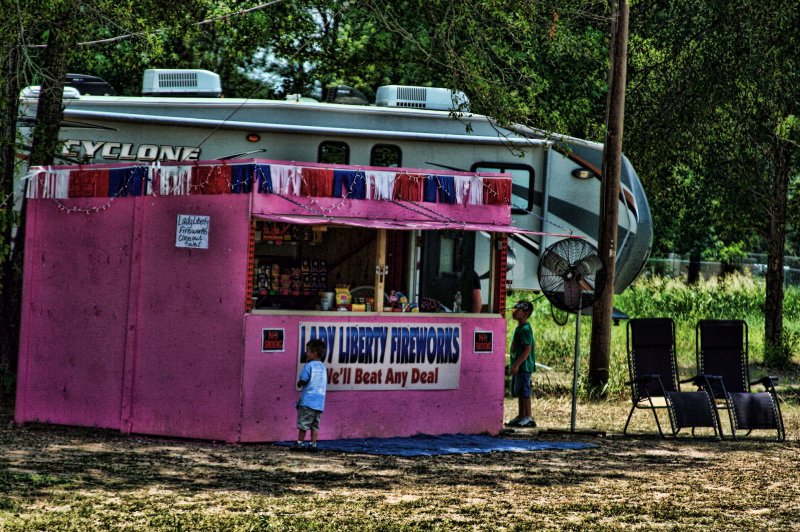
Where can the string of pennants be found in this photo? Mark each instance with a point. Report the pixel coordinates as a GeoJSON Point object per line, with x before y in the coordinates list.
{"type": "Point", "coordinates": [268, 178]}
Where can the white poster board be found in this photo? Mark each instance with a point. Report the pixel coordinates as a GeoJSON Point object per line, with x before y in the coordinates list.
{"type": "Point", "coordinates": [378, 356]}
{"type": "Point", "coordinates": [192, 231]}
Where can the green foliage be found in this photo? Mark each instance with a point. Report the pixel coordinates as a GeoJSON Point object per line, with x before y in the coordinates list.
{"type": "Point", "coordinates": [732, 253]}
{"type": "Point", "coordinates": [710, 93]}
{"type": "Point", "coordinates": [781, 355]}
{"type": "Point", "coordinates": [539, 64]}
{"type": "Point", "coordinates": [702, 81]}
{"type": "Point", "coordinates": [717, 93]}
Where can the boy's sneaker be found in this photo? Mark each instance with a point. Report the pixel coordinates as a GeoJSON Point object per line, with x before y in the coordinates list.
{"type": "Point", "coordinates": [297, 447]}
{"type": "Point", "coordinates": [513, 422]}
{"type": "Point", "coordinates": [527, 422]}
{"type": "Point", "coordinates": [312, 447]}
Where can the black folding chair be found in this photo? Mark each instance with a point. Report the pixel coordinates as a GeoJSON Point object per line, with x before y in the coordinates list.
{"type": "Point", "coordinates": [654, 383]}
{"type": "Point", "coordinates": [722, 349]}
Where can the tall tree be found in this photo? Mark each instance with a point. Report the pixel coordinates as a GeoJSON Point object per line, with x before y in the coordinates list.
{"type": "Point", "coordinates": [62, 36]}
{"type": "Point", "coordinates": [713, 104]}
{"type": "Point", "coordinates": [9, 77]}
{"type": "Point", "coordinates": [61, 24]}
{"type": "Point", "coordinates": [14, 71]}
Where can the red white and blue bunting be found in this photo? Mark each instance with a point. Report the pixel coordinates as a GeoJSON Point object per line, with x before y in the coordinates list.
{"type": "Point", "coordinates": [269, 177]}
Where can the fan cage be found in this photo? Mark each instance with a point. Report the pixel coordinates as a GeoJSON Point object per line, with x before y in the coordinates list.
{"type": "Point", "coordinates": [571, 274]}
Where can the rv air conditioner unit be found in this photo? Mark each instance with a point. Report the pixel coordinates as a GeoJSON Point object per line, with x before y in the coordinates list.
{"type": "Point", "coordinates": [169, 82]}
{"type": "Point", "coordinates": [434, 98]}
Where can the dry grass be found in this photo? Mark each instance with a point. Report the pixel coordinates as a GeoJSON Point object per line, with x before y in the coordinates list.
{"type": "Point", "coordinates": [55, 478]}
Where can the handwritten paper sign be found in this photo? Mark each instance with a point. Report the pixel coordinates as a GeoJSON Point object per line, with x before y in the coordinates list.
{"type": "Point", "coordinates": [192, 231]}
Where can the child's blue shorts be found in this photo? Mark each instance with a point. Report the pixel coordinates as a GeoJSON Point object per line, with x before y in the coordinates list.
{"type": "Point", "coordinates": [521, 384]}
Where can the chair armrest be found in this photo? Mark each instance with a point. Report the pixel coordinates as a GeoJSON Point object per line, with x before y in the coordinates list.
{"type": "Point", "coordinates": [768, 381]}
{"type": "Point", "coordinates": [700, 379]}
{"type": "Point", "coordinates": [643, 379]}
{"type": "Point", "coordinates": [644, 382]}
{"type": "Point", "coordinates": [704, 382]}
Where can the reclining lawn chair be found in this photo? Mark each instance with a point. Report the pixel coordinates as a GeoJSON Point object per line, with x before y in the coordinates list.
{"type": "Point", "coordinates": [654, 379]}
{"type": "Point", "coordinates": [722, 349]}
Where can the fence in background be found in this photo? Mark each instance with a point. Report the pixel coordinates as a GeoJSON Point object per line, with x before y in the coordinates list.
{"type": "Point", "coordinates": [755, 264]}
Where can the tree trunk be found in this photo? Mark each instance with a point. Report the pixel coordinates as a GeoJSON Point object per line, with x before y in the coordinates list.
{"type": "Point", "coordinates": [10, 281]}
{"type": "Point", "coordinates": [600, 354]}
{"type": "Point", "coordinates": [50, 111]}
{"type": "Point", "coordinates": [44, 145]}
{"type": "Point", "coordinates": [693, 272]}
{"type": "Point", "coordinates": [774, 351]}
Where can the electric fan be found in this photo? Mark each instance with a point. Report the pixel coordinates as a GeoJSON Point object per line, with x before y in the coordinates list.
{"type": "Point", "coordinates": [572, 276]}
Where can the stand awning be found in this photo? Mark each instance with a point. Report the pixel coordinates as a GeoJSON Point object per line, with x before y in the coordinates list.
{"type": "Point", "coordinates": [402, 225]}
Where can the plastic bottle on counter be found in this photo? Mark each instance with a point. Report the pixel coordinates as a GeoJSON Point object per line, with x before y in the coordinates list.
{"type": "Point", "coordinates": [457, 302]}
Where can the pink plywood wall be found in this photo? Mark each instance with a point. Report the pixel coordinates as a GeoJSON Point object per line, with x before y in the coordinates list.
{"type": "Point", "coordinates": [269, 393]}
{"type": "Point", "coordinates": [121, 329]}
{"type": "Point", "coordinates": [186, 380]}
{"type": "Point", "coordinates": [75, 314]}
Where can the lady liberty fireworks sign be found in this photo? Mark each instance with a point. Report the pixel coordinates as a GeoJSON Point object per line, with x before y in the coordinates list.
{"type": "Point", "coordinates": [376, 356]}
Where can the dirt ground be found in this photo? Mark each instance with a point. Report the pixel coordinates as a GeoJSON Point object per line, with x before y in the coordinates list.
{"type": "Point", "coordinates": [59, 478]}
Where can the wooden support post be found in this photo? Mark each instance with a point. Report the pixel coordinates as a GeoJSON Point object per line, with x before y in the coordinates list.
{"type": "Point", "coordinates": [600, 355]}
{"type": "Point", "coordinates": [380, 270]}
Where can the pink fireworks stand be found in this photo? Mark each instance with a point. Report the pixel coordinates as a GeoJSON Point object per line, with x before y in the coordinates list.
{"type": "Point", "coordinates": [141, 313]}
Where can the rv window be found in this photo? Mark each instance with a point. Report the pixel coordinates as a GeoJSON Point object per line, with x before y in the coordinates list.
{"type": "Point", "coordinates": [333, 152]}
{"type": "Point", "coordinates": [522, 179]}
{"type": "Point", "coordinates": [386, 155]}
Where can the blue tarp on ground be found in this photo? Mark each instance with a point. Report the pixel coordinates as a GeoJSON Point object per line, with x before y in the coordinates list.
{"type": "Point", "coordinates": [423, 445]}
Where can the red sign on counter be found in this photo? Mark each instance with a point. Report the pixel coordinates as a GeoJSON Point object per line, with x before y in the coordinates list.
{"type": "Point", "coordinates": [483, 341]}
{"type": "Point", "coordinates": [272, 341]}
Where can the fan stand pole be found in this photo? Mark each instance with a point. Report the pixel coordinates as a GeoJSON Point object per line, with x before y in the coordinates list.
{"type": "Point", "coordinates": [575, 371]}
{"type": "Point", "coordinates": [575, 375]}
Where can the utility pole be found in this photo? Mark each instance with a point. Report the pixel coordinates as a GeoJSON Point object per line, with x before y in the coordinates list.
{"type": "Point", "coordinates": [609, 209]}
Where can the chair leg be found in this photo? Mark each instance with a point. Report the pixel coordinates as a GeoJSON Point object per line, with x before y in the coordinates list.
{"type": "Point", "coordinates": [658, 424]}
{"type": "Point", "coordinates": [781, 428]}
{"type": "Point", "coordinates": [730, 420]}
{"type": "Point", "coordinates": [717, 420]}
{"type": "Point", "coordinates": [670, 415]}
{"type": "Point", "coordinates": [630, 415]}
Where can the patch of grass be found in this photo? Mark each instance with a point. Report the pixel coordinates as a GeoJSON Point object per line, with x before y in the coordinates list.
{"type": "Point", "coordinates": [56, 478]}
{"type": "Point", "coordinates": [13, 481]}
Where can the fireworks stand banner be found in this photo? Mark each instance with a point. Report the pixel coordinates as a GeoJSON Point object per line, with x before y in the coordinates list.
{"type": "Point", "coordinates": [261, 176]}
{"type": "Point", "coordinates": [377, 356]}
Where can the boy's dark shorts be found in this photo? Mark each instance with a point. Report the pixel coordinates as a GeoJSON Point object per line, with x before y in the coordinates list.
{"type": "Point", "coordinates": [308, 418]}
{"type": "Point", "coordinates": [521, 384]}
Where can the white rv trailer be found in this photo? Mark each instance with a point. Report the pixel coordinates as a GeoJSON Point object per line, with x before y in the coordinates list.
{"type": "Point", "coordinates": [556, 179]}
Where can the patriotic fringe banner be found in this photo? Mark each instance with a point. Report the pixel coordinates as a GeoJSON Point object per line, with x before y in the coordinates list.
{"type": "Point", "coordinates": [267, 178]}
